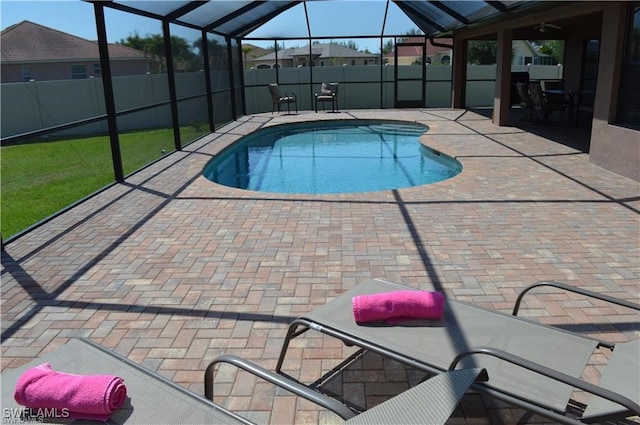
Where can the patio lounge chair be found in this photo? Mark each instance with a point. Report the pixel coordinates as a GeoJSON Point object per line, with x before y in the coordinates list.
{"type": "Point", "coordinates": [530, 365]}
{"type": "Point", "coordinates": [153, 399]}
{"type": "Point", "coordinates": [431, 402]}
{"type": "Point", "coordinates": [280, 98]}
{"type": "Point", "coordinates": [328, 93]}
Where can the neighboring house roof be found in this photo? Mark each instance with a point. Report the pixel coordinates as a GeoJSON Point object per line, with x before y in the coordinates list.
{"type": "Point", "coordinates": [327, 50]}
{"type": "Point", "coordinates": [254, 51]}
{"type": "Point", "coordinates": [525, 44]}
{"type": "Point", "coordinates": [28, 42]}
{"type": "Point", "coordinates": [413, 51]}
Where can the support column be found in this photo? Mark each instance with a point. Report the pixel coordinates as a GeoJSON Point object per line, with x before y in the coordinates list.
{"type": "Point", "coordinates": [459, 69]}
{"type": "Point", "coordinates": [171, 80]}
{"type": "Point", "coordinates": [502, 99]}
{"type": "Point", "coordinates": [109, 98]}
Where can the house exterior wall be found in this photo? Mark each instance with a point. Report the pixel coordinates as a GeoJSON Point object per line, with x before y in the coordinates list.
{"type": "Point", "coordinates": [613, 147]}
{"type": "Point", "coordinates": [13, 73]}
{"type": "Point", "coordinates": [293, 63]}
{"type": "Point", "coordinates": [521, 51]}
{"type": "Point", "coordinates": [343, 61]}
{"type": "Point", "coordinates": [436, 59]}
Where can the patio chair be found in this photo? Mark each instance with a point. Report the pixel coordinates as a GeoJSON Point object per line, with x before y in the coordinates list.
{"type": "Point", "coordinates": [328, 93]}
{"type": "Point", "coordinates": [544, 105]}
{"type": "Point", "coordinates": [280, 98]}
{"type": "Point", "coordinates": [525, 100]}
{"type": "Point", "coordinates": [431, 402]}
{"type": "Point", "coordinates": [152, 399]}
{"type": "Point", "coordinates": [552, 85]}
{"type": "Point", "coordinates": [530, 365]}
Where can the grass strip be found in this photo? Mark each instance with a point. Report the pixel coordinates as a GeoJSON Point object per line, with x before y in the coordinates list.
{"type": "Point", "coordinates": [42, 177]}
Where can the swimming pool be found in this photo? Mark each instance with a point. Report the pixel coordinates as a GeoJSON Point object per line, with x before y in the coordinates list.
{"type": "Point", "coordinates": [328, 157]}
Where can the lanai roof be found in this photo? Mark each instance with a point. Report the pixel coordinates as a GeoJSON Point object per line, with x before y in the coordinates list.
{"type": "Point", "coordinates": [238, 18]}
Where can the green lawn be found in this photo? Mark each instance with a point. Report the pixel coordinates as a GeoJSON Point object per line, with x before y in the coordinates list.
{"type": "Point", "coordinates": [39, 179]}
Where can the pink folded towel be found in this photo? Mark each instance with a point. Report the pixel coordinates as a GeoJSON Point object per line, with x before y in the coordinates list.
{"type": "Point", "coordinates": [93, 397]}
{"type": "Point", "coordinates": [398, 306]}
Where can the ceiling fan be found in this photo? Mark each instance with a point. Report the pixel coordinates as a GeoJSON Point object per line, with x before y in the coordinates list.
{"type": "Point", "coordinates": [544, 26]}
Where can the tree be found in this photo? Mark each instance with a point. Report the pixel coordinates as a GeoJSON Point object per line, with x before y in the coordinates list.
{"type": "Point", "coordinates": [245, 51]}
{"type": "Point", "coordinates": [183, 57]}
{"type": "Point", "coordinates": [482, 52]}
{"type": "Point", "coordinates": [216, 51]}
{"type": "Point", "coordinates": [553, 48]}
{"type": "Point", "coordinates": [349, 44]}
{"type": "Point", "coordinates": [413, 32]}
{"type": "Point", "coordinates": [387, 47]}
{"type": "Point", "coordinates": [151, 45]}
{"type": "Point", "coordinates": [133, 40]}
{"type": "Point", "coordinates": [153, 48]}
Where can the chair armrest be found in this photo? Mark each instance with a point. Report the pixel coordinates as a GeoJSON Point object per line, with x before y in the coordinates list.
{"type": "Point", "coordinates": [550, 373]}
{"type": "Point", "coordinates": [576, 290]}
{"type": "Point", "coordinates": [279, 380]}
{"type": "Point", "coordinates": [581, 291]}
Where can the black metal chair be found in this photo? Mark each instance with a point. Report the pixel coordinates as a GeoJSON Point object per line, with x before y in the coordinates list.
{"type": "Point", "coordinates": [525, 100]}
{"type": "Point", "coordinates": [280, 98]}
{"type": "Point", "coordinates": [328, 93]}
{"type": "Point", "coordinates": [543, 105]}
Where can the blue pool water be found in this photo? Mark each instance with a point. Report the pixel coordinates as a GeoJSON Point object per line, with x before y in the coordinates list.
{"type": "Point", "coordinates": [340, 156]}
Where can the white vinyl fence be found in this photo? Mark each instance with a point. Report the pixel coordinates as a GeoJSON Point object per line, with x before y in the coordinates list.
{"type": "Point", "coordinates": [34, 105]}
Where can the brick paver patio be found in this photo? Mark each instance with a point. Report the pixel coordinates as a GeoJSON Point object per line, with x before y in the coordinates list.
{"type": "Point", "coordinates": [172, 270]}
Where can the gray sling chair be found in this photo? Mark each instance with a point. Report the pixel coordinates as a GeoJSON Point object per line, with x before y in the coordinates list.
{"type": "Point", "coordinates": [530, 365]}
{"type": "Point", "coordinates": [431, 402]}
{"type": "Point", "coordinates": [153, 399]}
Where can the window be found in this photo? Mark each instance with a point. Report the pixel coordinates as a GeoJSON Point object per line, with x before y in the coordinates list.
{"type": "Point", "coordinates": [96, 69]}
{"type": "Point", "coordinates": [78, 72]}
{"type": "Point", "coordinates": [590, 60]}
{"type": "Point", "coordinates": [633, 40]}
{"type": "Point", "coordinates": [26, 73]}
{"type": "Point", "coordinates": [446, 60]}
{"type": "Point", "coordinates": [629, 95]}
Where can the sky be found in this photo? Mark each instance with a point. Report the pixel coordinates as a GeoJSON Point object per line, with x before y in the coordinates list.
{"type": "Point", "coordinates": [364, 17]}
